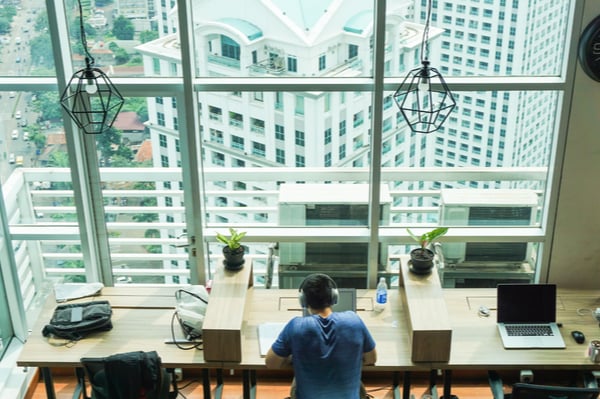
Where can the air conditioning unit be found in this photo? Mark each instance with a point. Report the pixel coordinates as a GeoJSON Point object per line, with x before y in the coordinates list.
{"type": "Point", "coordinates": [327, 205]}
{"type": "Point", "coordinates": [477, 207]}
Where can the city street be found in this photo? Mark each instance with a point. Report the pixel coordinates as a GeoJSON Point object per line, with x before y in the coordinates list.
{"type": "Point", "coordinates": [14, 61]}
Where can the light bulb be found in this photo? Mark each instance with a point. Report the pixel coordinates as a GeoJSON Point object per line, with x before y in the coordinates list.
{"type": "Point", "coordinates": [423, 85]}
{"type": "Point", "coordinates": [90, 87]}
{"type": "Point", "coordinates": [423, 92]}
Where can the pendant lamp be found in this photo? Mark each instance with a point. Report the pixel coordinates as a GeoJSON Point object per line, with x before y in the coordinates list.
{"type": "Point", "coordinates": [424, 98]}
{"type": "Point", "coordinates": [90, 98]}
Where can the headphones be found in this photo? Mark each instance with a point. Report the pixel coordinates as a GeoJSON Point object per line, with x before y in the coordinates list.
{"type": "Point", "coordinates": [331, 288]}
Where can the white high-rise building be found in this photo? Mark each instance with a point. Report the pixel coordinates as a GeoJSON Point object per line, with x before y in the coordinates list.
{"type": "Point", "coordinates": [326, 129]}
{"type": "Point", "coordinates": [484, 38]}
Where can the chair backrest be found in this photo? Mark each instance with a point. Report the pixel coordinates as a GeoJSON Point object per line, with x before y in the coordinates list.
{"type": "Point", "coordinates": [130, 375]}
{"type": "Point", "coordinates": [533, 391]}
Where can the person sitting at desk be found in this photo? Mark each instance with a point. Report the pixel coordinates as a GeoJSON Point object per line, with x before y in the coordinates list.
{"type": "Point", "coordinates": [326, 349]}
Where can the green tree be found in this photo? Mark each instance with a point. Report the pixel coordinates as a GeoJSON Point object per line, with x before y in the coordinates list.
{"type": "Point", "coordinates": [121, 56]}
{"type": "Point", "coordinates": [47, 105]}
{"type": "Point", "coordinates": [144, 185]}
{"type": "Point", "coordinates": [41, 22]}
{"type": "Point", "coordinates": [148, 35]}
{"type": "Point", "coordinates": [58, 159]}
{"type": "Point", "coordinates": [105, 143]}
{"type": "Point", "coordinates": [4, 25]}
{"type": "Point", "coordinates": [123, 28]}
{"type": "Point", "coordinates": [8, 12]}
{"type": "Point", "coordinates": [40, 51]}
{"type": "Point", "coordinates": [75, 29]}
{"type": "Point", "coordinates": [139, 105]}
{"type": "Point", "coordinates": [145, 217]}
{"type": "Point", "coordinates": [36, 136]}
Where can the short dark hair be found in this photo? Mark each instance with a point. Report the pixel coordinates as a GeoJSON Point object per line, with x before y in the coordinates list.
{"type": "Point", "coordinates": [318, 290]}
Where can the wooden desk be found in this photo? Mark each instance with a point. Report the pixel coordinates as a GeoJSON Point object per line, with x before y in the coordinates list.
{"type": "Point", "coordinates": [388, 328]}
{"type": "Point", "coordinates": [137, 325]}
{"type": "Point", "coordinates": [476, 343]}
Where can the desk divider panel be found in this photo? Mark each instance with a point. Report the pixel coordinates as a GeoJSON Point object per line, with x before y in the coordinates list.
{"type": "Point", "coordinates": [222, 327]}
{"type": "Point", "coordinates": [430, 331]}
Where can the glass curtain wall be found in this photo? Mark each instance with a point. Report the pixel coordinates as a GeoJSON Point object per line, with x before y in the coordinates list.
{"type": "Point", "coordinates": [278, 118]}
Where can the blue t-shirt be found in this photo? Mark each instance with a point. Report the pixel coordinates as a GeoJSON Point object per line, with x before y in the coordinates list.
{"type": "Point", "coordinates": [326, 354]}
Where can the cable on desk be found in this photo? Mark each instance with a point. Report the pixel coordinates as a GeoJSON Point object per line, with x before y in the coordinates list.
{"type": "Point", "coordinates": [584, 311]}
{"type": "Point", "coordinates": [194, 344]}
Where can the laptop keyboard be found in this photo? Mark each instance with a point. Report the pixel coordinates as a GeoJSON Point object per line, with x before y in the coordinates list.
{"type": "Point", "coordinates": [526, 330]}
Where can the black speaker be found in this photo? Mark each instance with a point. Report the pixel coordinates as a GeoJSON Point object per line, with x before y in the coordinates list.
{"type": "Point", "coordinates": [332, 287]}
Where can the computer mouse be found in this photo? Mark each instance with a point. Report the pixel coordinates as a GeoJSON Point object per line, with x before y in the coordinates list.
{"type": "Point", "coordinates": [578, 336]}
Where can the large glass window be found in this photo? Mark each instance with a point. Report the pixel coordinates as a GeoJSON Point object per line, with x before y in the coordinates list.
{"type": "Point", "coordinates": [260, 153]}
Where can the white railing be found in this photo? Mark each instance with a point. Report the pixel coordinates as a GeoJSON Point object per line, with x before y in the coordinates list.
{"type": "Point", "coordinates": [44, 243]}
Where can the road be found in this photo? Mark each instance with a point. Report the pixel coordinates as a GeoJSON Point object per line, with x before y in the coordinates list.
{"type": "Point", "coordinates": [14, 61]}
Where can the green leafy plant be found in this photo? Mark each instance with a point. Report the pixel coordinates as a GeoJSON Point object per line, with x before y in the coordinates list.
{"type": "Point", "coordinates": [429, 237]}
{"type": "Point", "coordinates": [234, 239]}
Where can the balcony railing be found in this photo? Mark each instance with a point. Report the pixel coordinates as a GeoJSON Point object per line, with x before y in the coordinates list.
{"type": "Point", "coordinates": [46, 236]}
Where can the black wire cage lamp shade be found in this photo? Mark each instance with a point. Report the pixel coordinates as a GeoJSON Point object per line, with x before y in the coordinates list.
{"type": "Point", "coordinates": [424, 99]}
{"type": "Point", "coordinates": [90, 98]}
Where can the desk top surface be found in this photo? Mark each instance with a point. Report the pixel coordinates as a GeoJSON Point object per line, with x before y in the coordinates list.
{"type": "Point", "coordinates": [476, 342]}
{"type": "Point", "coordinates": [388, 327]}
{"type": "Point", "coordinates": [142, 320]}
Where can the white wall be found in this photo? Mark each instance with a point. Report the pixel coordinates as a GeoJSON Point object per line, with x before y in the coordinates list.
{"type": "Point", "coordinates": [575, 257]}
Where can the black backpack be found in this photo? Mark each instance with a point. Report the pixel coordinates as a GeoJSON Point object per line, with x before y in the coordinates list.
{"type": "Point", "coordinates": [130, 375]}
{"type": "Point", "coordinates": [75, 321]}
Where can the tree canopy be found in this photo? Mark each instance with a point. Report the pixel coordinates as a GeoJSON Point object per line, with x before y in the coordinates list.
{"type": "Point", "coordinates": [123, 28]}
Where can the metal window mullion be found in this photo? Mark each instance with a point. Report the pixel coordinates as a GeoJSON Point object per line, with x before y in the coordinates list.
{"type": "Point", "coordinates": [190, 141]}
{"type": "Point", "coordinates": [376, 140]}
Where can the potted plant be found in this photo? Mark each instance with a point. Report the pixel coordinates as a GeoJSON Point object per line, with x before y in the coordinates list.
{"type": "Point", "coordinates": [421, 258]}
{"type": "Point", "coordinates": [233, 251]}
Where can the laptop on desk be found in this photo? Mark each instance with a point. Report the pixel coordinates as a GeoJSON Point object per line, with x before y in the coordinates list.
{"type": "Point", "coordinates": [527, 316]}
{"type": "Point", "coordinates": [269, 331]}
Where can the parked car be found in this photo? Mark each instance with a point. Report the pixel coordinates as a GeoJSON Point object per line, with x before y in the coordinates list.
{"type": "Point", "coordinates": [11, 158]}
{"type": "Point", "coordinates": [18, 115]}
{"type": "Point", "coordinates": [15, 134]}
{"type": "Point", "coordinates": [12, 94]}
{"type": "Point", "coordinates": [19, 160]}
{"type": "Point", "coordinates": [25, 136]}
{"type": "Point", "coordinates": [23, 122]}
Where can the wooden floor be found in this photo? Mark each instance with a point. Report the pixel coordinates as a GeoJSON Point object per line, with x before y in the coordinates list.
{"type": "Point", "coordinates": [278, 387]}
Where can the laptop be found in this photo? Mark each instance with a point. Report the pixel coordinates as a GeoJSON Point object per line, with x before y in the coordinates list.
{"type": "Point", "coordinates": [527, 316]}
{"type": "Point", "coordinates": [269, 331]}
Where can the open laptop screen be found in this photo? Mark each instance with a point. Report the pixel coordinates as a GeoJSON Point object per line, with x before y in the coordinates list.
{"type": "Point", "coordinates": [526, 303]}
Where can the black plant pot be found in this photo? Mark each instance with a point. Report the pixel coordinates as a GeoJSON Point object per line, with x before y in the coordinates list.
{"type": "Point", "coordinates": [421, 260]}
{"type": "Point", "coordinates": [234, 258]}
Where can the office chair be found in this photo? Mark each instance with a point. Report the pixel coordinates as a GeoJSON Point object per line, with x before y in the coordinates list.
{"type": "Point", "coordinates": [130, 375]}
{"type": "Point", "coordinates": [533, 391]}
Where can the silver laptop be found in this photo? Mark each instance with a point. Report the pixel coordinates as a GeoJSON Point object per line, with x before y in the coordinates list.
{"type": "Point", "coordinates": [527, 316]}
{"type": "Point", "coordinates": [269, 331]}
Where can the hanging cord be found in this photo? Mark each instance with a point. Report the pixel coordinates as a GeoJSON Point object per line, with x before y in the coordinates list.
{"type": "Point", "coordinates": [425, 40]}
{"type": "Point", "coordinates": [89, 60]}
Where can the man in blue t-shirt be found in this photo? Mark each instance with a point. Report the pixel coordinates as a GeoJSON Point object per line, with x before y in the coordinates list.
{"type": "Point", "coordinates": [327, 349]}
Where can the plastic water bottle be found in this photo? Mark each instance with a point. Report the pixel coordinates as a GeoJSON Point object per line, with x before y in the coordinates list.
{"type": "Point", "coordinates": [381, 296]}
